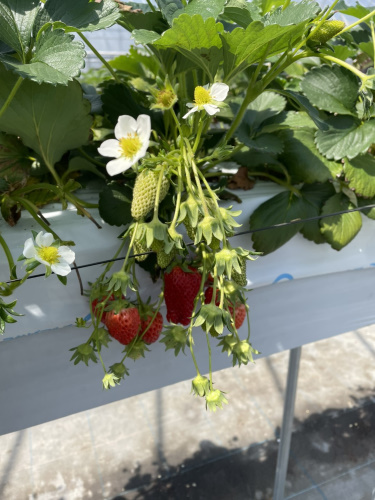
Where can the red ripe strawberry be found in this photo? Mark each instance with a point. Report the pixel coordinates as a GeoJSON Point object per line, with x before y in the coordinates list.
{"type": "Point", "coordinates": [97, 301]}
{"type": "Point", "coordinates": [155, 329]}
{"type": "Point", "coordinates": [239, 311]}
{"type": "Point", "coordinates": [123, 325]}
{"type": "Point", "coordinates": [180, 290]}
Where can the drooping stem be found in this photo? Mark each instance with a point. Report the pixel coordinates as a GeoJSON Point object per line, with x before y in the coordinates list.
{"type": "Point", "coordinates": [178, 199]}
{"type": "Point", "coordinates": [8, 255]}
{"type": "Point", "coordinates": [11, 95]}
{"type": "Point", "coordinates": [278, 181]}
{"type": "Point", "coordinates": [158, 189]}
{"type": "Point", "coordinates": [344, 64]}
{"type": "Point", "coordinates": [100, 57]}
{"type": "Point", "coordinates": [33, 211]}
{"type": "Point", "coordinates": [209, 361]}
{"type": "Point", "coordinates": [81, 209]}
{"type": "Point", "coordinates": [359, 21]}
{"type": "Point", "coordinates": [198, 136]}
{"type": "Point", "coordinates": [151, 6]}
{"type": "Point", "coordinates": [130, 247]}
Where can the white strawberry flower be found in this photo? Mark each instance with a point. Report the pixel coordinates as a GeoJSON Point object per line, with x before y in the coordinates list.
{"type": "Point", "coordinates": [131, 143]}
{"type": "Point", "coordinates": [208, 98]}
{"type": "Point", "coordinates": [58, 258]}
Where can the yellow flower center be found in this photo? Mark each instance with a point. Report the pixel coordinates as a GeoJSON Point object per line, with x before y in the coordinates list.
{"type": "Point", "coordinates": [130, 145]}
{"type": "Point", "coordinates": [49, 254]}
{"type": "Point", "coordinates": [202, 96]}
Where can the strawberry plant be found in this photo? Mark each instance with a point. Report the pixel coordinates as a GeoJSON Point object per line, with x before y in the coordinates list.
{"type": "Point", "coordinates": [265, 86]}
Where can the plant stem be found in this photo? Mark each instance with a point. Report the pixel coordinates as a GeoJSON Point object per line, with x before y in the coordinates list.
{"type": "Point", "coordinates": [100, 57]}
{"type": "Point", "coordinates": [33, 211]}
{"type": "Point", "coordinates": [11, 96]}
{"type": "Point", "coordinates": [130, 246]}
{"type": "Point", "coordinates": [178, 200]}
{"type": "Point", "coordinates": [92, 160]}
{"type": "Point", "coordinates": [8, 255]}
{"type": "Point", "coordinates": [275, 179]}
{"type": "Point", "coordinates": [80, 208]}
{"type": "Point", "coordinates": [177, 122]}
{"type": "Point", "coordinates": [151, 6]}
{"type": "Point", "coordinates": [158, 188]}
{"type": "Point", "coordinates": [209, 361]}
{"type": "Point", "coordinates": [344, 64]}
{"type": "Point", "coordinates": [373, 39]}
{"type": "Point", "coordinates": [347, 28]}
{"type": "Point", "coordinates": [198, 137]}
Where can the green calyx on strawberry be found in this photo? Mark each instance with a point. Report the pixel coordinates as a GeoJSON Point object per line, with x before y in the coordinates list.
{"type": "Point", "coordinates": [238, 313]}
{"type": "Point", "coordinates": [240, 350]}
{"type": "Point", "coordinates": [136, 349]}
{"type": "Point", "coordinates": [215, 399]}
{"type": "Point", "coordinates": [181, 286]}
{"type": "Point", "coordinates": [123, 321]}
{"type": "Point", "coordinates": [175, 337]}
{"type": "Point", "coordinates": [240, 278]}
{"type": "Point", "coordinates": [120, 280]}
{"type": "Point", "coordinates": [144, 193]}
{"type": "Point", "coordinates": [326, 31]}
{"type": "Point", "coordinates": [200, 386]}
{"type": "Point", "coordinates": [119, 370]}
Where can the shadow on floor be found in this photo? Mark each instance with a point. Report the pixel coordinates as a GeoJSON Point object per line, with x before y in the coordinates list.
{"type": "Point", "coordinates": [340, 438]}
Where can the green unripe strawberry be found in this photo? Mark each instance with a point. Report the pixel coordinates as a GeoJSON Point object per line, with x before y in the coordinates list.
{"type": "Point", "coordinates": [327, 31]}
{"type": "Point", "coordinates": [215, 243]}
{"type": "Point", "coordinates": [164, 259]}
{"type": "Point", "coordinates": [240, 278]}
{"type": "Point", "coordinates": [157, 245]}
{"type": "Point", "coordinates": [190, 230]}
{"type": "Point", "coordinates": [140, 247]}
{"type": "Point", "coordinates": [144, 193]}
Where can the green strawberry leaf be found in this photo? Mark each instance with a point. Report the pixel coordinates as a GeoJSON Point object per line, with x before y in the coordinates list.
{"type": "Point", "coordinates": [265, 143]}
{"type": "Point", "coordinates": [360, 172]}
{"type": "Point", "coordinates": [57, 59]}
{"type": "Point", "coordinates": [243, 47]}
{"type": "Point", "coordinates": [77, 15]}
{"type": "Point", "coordinates": [303, 160]}
{"type": "Point", "coordinates": [120, 99]}
{"type": "Point", "coordinates": [283, 207]}
{"type": "Point", "coordinates": [241, 12]}
{"type": "Point", "coordinates": [357, 10]}
{"type": "Point", "coordinates": [150, 21]}
{"type": "Point", "coordinates": [50, 120]}
{"type": "Point", "coordinates": [369, 212]}
{"type": "Point", "coordinates": [339, 230]}
{"type": "Point", "coordinates": [265, 106]}
{"type": "Point", "coordinates": [114, 204]}
{"type": "Point", "coordinates": [206, 8]}
{"type": "Point", "coordinates": [334, 89]}
{"type": "Point", "coordinates": [170, 8]}
{"type": "Point", "coordinates": [346, 136]}
{"type": "Point", "coordinates": [16, 24]}
{"type": "Point", "coordinates": [304, 104]}
{"type": "Point", "coordinates": [196, 39]}
{"type": "Point", "coordinates": [295, 13]}
{"type": "Point", "coordinates": [315, 195]}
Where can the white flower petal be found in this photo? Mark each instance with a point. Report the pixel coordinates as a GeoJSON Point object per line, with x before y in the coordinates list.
{"type": "Point", "coordinates": [126, 125]}
{"type": "Point", "coordinates": [144, 127]}
{"type": "Point", "coordinates": [191, 112]}
{"type": "Point", "coordinates": [190, 105]}
{"type": "Point", "coordinates": [207, 86]}
{"type": "Point", "coordinates": [66, 254]}
{"type": "Point", "coordinates": [219, 91]}
{"type": "Point", "coordinates": [39, 259]}
{"type": "Point", "coordinates": [44, 239]}
{"type": "Point", "coordinates": [119, 165]}
{"type": "Point", "coordinates": [211, 109]}
{"type": "Point", "coordinates": [29, 250]}
{"type": "Point", "coordinates": [111, 147]}
{"type": "Point", "coordinates": [62, 268]}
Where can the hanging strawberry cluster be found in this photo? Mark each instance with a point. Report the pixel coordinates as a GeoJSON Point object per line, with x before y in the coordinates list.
{"type": "Point", "coordinates": [204, 277]}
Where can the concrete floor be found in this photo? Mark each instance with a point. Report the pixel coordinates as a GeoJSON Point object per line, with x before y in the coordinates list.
{"type": "Point", "coordinates": [164, 445]}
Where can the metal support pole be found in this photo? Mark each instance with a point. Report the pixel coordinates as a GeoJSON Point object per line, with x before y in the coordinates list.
{"type": "Point", "coordinates": [287, 424]}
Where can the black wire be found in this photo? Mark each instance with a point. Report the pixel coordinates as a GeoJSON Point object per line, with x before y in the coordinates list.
{"type": "Point", "coordinates": [242, 233]}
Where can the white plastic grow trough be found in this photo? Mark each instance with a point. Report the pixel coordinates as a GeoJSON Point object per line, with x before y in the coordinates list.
{"type": "Point", "coordinates": [301, 293]}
